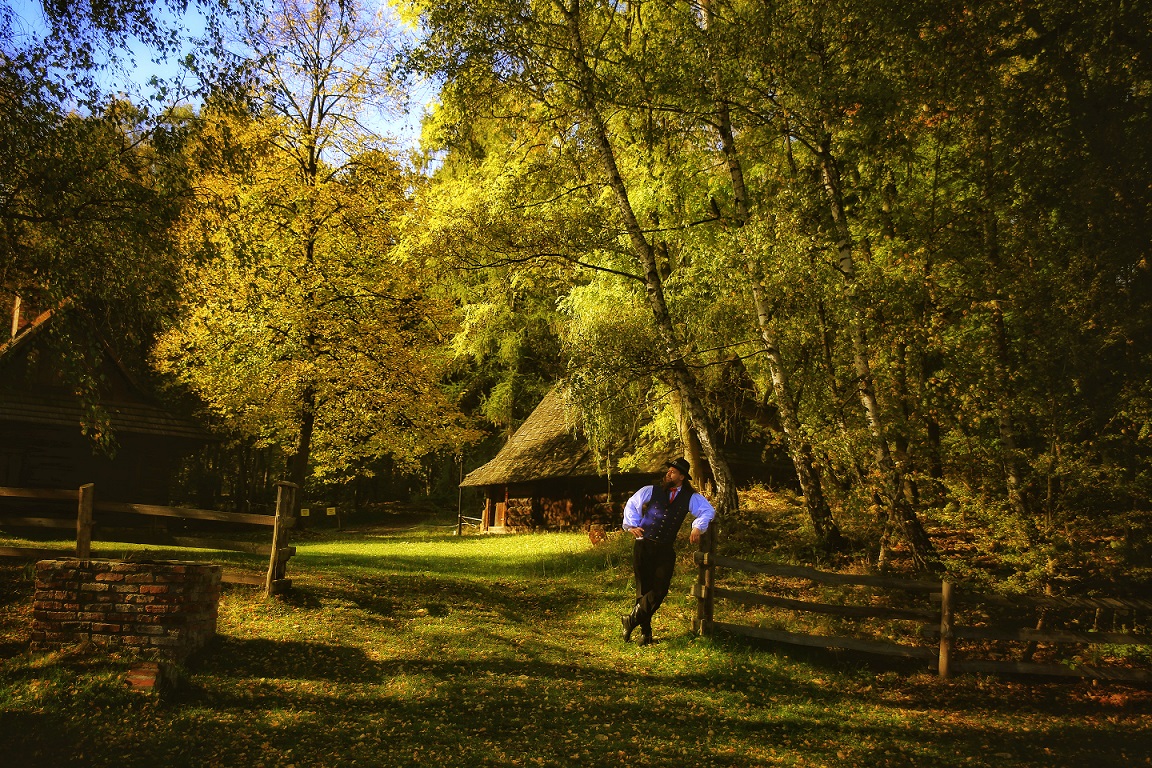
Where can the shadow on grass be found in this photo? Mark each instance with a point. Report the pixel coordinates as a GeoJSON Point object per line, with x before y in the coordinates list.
{"type": "Point", "coordinates": [1049, 695]}
{"type": "Point", "coordinates": [289, 659]}
{"type": "Point", "coordinates": [511, 676]}
{"type": "Point", "coordinates": [26, 745]}
{"type": "Point", "coordinates": [16, 584]}
{"type": "Point", "coordinates": [13, 648]}
{"type": "Point", "coordinates": [468, 712]}
{"type": "Point", "coordinates": [395, 596]}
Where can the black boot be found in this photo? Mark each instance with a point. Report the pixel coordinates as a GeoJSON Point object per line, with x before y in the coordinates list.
{"type": "Point", "coordinates": [645, 636]}
{"type": "Point", "coordinates": [629, 622]}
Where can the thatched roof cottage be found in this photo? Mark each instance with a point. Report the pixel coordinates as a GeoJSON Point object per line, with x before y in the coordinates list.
{"type": "Point", "coordinates": [547, 477]}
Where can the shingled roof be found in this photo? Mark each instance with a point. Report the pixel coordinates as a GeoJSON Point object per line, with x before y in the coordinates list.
{"type": "Point", "coordinates": [547, 446]}
{"type": "Point", "coordinates": [55, 408]}
{"type": "Point", "coordinates": [63, 411]}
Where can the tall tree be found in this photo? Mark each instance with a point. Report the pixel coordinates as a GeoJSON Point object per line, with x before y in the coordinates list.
{"type": "Point", "coordinates": [904, 221]}
{"type": "Point", "coordinates": [301, 206]}
{"type": "Point", "coordinates": [548, 54]}
{"type": "Point", "coordinates": [722, 78]}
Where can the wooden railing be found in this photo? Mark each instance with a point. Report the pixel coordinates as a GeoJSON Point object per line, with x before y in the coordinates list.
{"type": "Point", "coordinates": [86, 523]}
{"type": "Point", "coordinates": [955, 601]}
{"type": "Point", "coordinates": [939, 602]}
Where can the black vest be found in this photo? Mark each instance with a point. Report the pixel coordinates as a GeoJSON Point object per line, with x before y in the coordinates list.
{"type": "Point", "coordinates": [662, 520]}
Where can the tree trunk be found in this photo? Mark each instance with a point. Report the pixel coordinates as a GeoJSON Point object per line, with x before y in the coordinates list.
{"type": "Point", "coordinates": [799, 449]}
{"type": "Point", "coordinates": [1008, 448]}
{"type": "Point", "coordinates": [299, 462]}
{"type": "Point", "coordinates": [701, 472]}
{"type": "Point", "coordinates": [935, 464]}
{"type": "Point", "coordinates": [1009, 453]}
{"type": "Point", "coordinates": [901, 442]}
{"type": "Point", "coordinates": [726, 499]}
{"type": "Point", "coordinates": [923, 552]}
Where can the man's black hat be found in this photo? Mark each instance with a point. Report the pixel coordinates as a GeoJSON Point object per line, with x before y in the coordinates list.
{"type": "Point", "coordinates": [682, 467]}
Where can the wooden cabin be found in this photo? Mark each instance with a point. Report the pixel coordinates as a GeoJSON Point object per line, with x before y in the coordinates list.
{"type": "Point", "coordinates": [42, 443]}
{"type": "Point", "coordinates": [547, 478]}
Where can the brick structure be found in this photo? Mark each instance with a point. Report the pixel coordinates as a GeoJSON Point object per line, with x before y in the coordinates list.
{"type": "Point", "coordinates": [163, 610]}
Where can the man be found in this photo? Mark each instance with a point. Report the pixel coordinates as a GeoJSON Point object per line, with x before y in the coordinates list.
{"type": "Point", "coordinates": [653, 516]}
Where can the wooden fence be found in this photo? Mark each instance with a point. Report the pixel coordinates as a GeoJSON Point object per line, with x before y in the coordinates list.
{"type": "Point", "coordinates": [88, 528]}
{"type": "Point", "coordinates": [945, 607]}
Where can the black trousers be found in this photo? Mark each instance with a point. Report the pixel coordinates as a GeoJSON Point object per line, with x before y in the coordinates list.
{"type": "Point", "coordinates": [652, 563]}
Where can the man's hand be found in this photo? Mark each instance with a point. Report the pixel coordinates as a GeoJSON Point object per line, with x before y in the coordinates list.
{"type": "Point", "coordinates": [694, 537]}
{"type": "Point", "coordinates": [637, 533]}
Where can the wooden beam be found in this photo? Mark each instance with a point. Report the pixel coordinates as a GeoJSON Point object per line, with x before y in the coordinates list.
{"type": "Point", "coordinates": [1052, 670]}
{"type": "Point", "coordinates": [1042, 635]}
{"type": "Point", "coordinates": [823, 577]}
{"type": "Point", "coordinates": [162, 539]}
{"type": "Point", "coordinates": [230, 576]}
{"type": "Point", "coordinates": [184, 514]}
{"type": "Point", "coordinates": [704, 589]}
{"type": "Point", "coordinates": [222, 545]}
{"type": "Point", "coordinates": [87, 497]}
{"type": "Point", "coordinates": [1055, 601]}
{"type": "Point", "coordinates": [947, 630]}
{"type": "Point", "coordinates": [854, 611]}
{"type": "Point", "coordinates": [279, 586]}
{"type": "Point", "coordinates": [38, 522]}
{"type": "Point", "coordinates": [281, 522]}
{"type": "Point", "coordinates": [38, 493]}
{"type": "Point", "coordinates": [818, 641]}
{"type": "Point", "coordinates": [37, 553]}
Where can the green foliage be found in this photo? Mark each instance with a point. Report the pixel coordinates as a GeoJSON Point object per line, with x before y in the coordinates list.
{"type": "Point", "coordinates": [505, 231]}
{"type": "Point", "coordinates": [981, 171]}
{"type": "Point", "coordinates": [84, 225]}
{"type": "Point", "coordinates": [614, 364]}
{"type": "Point", "coordinates": [944, 206]}
{"type": "Point", "coordinates": [293, 295]}
{"type": "Point", "coordinates": [302, 324]}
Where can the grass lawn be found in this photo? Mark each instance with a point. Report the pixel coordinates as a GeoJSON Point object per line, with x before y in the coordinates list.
{"type": "Point", "coordinates": [416, 647]}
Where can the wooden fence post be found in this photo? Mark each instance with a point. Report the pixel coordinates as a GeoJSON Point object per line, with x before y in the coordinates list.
{"type": "Point", "coordinates": [946, 610]}
{"type": "Point", "coordinates": [86, 497]}
{"type": "Point", "coordinates": [460, 500]}
{"type": "Point", "coordinates": [704, 580]}
{"type": "Point", "coordinates": [285, 505]}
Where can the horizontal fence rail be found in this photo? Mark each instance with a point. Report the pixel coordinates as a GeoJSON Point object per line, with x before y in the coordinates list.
{"type": "Point", "coordinates": [850, 611]}
{"type": "Point", "coordinates": [1055, 601]}
{"type": "Point", "coordinates": [822, 577]}
{"type": "Point", "coordinates": [947, 605]}
{"type": "Point", "coordinates": [183, 513]}
{"type": "Point", "coordinates": [87, 527]}
{"type": "Point", "coordinates": [878, 647]}
{"type": "Point", "coordinates": [38, 493]}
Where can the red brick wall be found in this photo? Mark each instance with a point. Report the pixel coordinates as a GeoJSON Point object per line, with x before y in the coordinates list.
{"type": "Point", "coordinates": [163, 610]}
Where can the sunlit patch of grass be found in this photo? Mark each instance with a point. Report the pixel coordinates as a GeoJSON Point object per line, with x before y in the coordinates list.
{"type": "Point", "coordinates": [480, 556]}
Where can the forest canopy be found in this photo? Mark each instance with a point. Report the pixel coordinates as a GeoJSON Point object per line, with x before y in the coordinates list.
{"type": "Point", "coordinates": [906, 245]}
